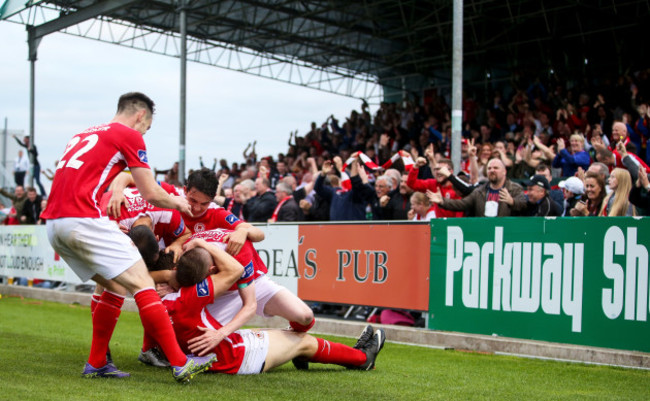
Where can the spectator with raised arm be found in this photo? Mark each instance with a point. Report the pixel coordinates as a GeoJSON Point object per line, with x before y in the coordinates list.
{"type": "Point", "coordinates": [440, 182]}
{"type": "Point", "coordinates": [171, 175]}
{"type": "Point", "coordinates": [642, 128]}
{"type": "Point", "coordinates": [640, 194]}
{"type": "Point", "coordinates": [18, 199]}
{"type": "Point", "coordinates": [571, 160]}
{"type": "Point", "coordinates": [36, 166]}
{"type": "Point", "coordinates": [345, 205]}
{"type": "Point", "coordinates": [214, 163]}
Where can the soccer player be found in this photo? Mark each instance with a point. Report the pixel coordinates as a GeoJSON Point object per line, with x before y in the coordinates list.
{"type": "Point", "coordinates": [200, 189]}
{"type": "Point", "coordinates": [253, 351]}
{"type": "Point", "coordinates": [96, 249]}
{"type": "Point", "coordinates": [225, 307]}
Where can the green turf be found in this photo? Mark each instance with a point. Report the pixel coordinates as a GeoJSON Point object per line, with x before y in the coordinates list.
{"type": "Point", "coordinates": [44, 345]}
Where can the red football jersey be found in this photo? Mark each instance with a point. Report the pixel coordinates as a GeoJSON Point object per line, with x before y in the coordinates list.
{"type": "Point", "coordinates": [214, 217]}
{"type": "Point", "coordinates": [186, 310]}
{"type": "Point", "coordinates": [247, 256]}
{"type": "Point", "coordinates": [90, 162]}
{"type": "Point", "coordinates": [167, 223]}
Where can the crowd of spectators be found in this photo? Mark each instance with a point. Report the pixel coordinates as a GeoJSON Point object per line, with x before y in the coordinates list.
{"type": "Point", "coordinates": [534, 148]}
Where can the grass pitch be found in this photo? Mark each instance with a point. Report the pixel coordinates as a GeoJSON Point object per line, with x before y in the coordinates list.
{"type": "Point", "coordinates": [44, 345]}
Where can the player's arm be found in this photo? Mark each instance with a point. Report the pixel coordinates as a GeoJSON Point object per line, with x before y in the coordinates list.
{"type": "Point", "coordinates": [243, 232]}
{"type": "Point", "coordinates": [176, 247]}
{"type": "Point", "coordinates": [154, 194]}
{"type": "Point", "coordinates": [229, 269]}
{"type": "Point", "coordinates": [120, 182]}
{"type": "Point", "coordinates": [206, 342]}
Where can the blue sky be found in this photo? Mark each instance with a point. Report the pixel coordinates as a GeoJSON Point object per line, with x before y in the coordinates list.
{"type": "Point", "coordinates": [79, 80]}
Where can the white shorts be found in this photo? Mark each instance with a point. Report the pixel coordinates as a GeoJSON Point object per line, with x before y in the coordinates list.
{"type": "Point", "coordinates": [257, 347]}
{"type": "Point", "coordinates": [92, 246]}
{"type": "Point", "coordinates": [224, 308]}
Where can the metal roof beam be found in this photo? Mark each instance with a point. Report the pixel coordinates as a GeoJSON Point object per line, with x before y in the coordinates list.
{"type": "Point", "coordinates": [103, 8]}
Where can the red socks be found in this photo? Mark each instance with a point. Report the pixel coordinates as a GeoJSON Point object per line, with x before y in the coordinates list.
{"type": "Point", "coordinates": [105, 314]}
{"type": "Point", "coordinates": [148, 342]}
{"type": "Point", "coordinates": [302, 328]}
{"type": "Point", "coordinates": [94, 300]}
{"type": "Point", "coordinates": [337, 353]}
{"type": "Point", "coordinates": [157, 325]}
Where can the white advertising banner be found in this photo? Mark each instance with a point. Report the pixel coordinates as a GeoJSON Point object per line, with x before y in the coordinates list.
{"type": "Point", "coordinates": [279, 251]}
{"type": "Point", "coordinates": [26, 252]}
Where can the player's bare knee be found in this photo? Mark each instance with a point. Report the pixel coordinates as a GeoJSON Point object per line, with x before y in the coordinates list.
{"type": "Point", "coordinates": [308, 344]}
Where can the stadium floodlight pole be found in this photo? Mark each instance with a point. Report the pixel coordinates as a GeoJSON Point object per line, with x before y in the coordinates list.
{"type": "Point", "coordinates": [457, 84]}
{"type": "Point", "coordinates": [183, 94]}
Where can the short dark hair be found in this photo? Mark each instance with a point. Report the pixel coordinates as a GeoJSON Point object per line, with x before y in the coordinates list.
{"type": "Point", "coordinates": [193, 267]}
{"type": "Point", "coordinates": [132, 101]}
{"type": "Point", "coordinates": [165, 261]}
{"type": "Point", "coordinates": [203, 180]}
{"type": "Point", "coordinates": [147, 244]}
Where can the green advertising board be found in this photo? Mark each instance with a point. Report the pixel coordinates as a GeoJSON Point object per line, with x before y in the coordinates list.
{"type": "Point", "coordinates": [567, 280]}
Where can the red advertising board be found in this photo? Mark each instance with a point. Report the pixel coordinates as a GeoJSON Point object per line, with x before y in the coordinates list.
{"type": "Point", "coordinates": [375, 265]}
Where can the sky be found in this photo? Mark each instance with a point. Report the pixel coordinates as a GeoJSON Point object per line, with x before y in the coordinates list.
{"type": "Point", "coordinates": [78, 82]}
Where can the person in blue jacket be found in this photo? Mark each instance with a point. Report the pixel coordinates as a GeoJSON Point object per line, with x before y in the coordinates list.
{"type": "Point", "coordinates": [572, 158]}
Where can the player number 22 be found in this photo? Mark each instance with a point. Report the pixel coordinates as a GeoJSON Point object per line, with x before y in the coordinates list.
{"type": "Point", "coordinates": [74, 162]}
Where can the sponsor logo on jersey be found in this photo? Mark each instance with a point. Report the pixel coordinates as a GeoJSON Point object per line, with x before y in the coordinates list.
{"type": "Point", "coordinates": [249, 270]}
{"type": "Point", "coordinates": [142, 155]}
{"type": "Point", "coordinates": [231, 219]}
{"type": "Point", "coordinates": [202, 289]}
{"type": "Point", "coordinates": [180, 229]}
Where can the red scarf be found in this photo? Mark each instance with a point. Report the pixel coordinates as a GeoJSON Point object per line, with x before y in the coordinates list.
{"type": "Point", "coordinates": [229, 208]}
{"type": "Point", "coordinates": [274, 218]}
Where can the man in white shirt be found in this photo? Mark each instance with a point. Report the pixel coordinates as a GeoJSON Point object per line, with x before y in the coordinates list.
{"type": "Point", "coordinates": [21, 165]}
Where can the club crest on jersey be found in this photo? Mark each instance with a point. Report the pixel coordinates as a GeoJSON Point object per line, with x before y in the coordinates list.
{"type": "Point", "coordinates": [202, 289]}
{"type": "Point", "coordinates": [180, 229]}
{"type": "Point", "coordinates": [198, 227]}
{"type": "Point", "coordinates": [248, 270]}
{"type": "Point", "coordinates": [231, 219]}
{"type": "Point", "coordinates": [142, 155]}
